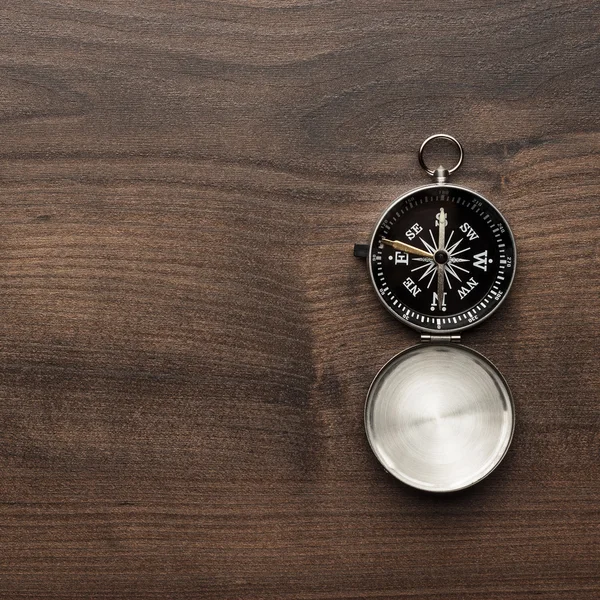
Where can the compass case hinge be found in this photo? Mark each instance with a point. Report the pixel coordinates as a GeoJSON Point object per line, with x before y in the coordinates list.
{"type": "Point", "coordinates": [440, 339]}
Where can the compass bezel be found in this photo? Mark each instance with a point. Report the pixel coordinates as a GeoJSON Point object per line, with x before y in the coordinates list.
{"type": "Point", "coordinates": [433, 329]}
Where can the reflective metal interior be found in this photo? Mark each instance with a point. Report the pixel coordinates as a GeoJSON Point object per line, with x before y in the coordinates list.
{"type": "Point", "coordinates": [439, 417]}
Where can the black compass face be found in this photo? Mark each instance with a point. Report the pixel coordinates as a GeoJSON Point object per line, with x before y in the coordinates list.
{"type": "Point", "coordinates": [442, 258]}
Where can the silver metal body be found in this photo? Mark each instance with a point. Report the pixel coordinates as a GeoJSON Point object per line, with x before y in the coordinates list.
{"type": "Point", "coordinates": [439, 417]}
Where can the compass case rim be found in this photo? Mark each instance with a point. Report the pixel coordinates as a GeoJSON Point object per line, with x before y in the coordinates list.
{"type": "Point", "coordinates": [504, 400]}
{"type": "Point", "coordinates": [432, 329]}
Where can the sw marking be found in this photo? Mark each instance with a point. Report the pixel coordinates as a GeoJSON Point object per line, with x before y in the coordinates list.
{"type": "Point", "coordinates": [471, 233]}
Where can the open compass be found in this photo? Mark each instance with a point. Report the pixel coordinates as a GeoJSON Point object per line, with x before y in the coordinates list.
{"type": "Point", "coordinates": [442, 258]}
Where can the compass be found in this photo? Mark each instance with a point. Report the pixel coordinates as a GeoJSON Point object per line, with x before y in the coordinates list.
{"type": "Point", "coordinates": [442, 258]}
{"type": "Point", "coordinates": [440, 416]}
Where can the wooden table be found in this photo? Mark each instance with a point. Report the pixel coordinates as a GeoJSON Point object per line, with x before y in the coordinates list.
{"type": "Point", "coordinates": [187, 340]}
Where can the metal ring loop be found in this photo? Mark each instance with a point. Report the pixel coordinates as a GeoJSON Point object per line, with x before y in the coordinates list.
{"type": "Point", "coordinates": [443, 136]}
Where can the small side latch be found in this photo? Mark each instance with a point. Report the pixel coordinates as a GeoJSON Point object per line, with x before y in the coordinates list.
{"type": "Point", "coordinates": [361, 250]}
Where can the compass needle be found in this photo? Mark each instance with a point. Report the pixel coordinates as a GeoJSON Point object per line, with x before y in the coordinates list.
{"type": "Point", "coordinates": [440, 286]}
{"type": "Point", "coordinates": [397, 245]}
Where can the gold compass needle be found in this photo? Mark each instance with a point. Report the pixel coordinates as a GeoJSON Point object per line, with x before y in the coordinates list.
{"type": "Point", "coordinates": [396, 245]}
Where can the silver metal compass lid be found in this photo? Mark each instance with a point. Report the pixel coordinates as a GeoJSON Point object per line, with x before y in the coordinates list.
{"type": "Point", "coordinates": [439, 417]}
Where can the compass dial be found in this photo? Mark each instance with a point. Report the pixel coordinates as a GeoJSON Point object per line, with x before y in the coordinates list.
{"type": "Point", "coordinates": [442, 258]}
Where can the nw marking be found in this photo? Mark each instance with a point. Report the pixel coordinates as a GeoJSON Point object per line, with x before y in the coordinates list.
{"type": "Point", "coordinates": [470, 284]}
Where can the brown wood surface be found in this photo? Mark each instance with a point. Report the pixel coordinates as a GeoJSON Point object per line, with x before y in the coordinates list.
{"type": "Point", "coordinates": [187, 340]}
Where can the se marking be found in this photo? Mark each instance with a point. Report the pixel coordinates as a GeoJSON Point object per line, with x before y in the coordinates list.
{"type": "Point", "coordinates": [413, 231]}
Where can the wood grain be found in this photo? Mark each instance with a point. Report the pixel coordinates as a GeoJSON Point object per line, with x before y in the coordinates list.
{"type": "Point", "coordinates": [187, 340]}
